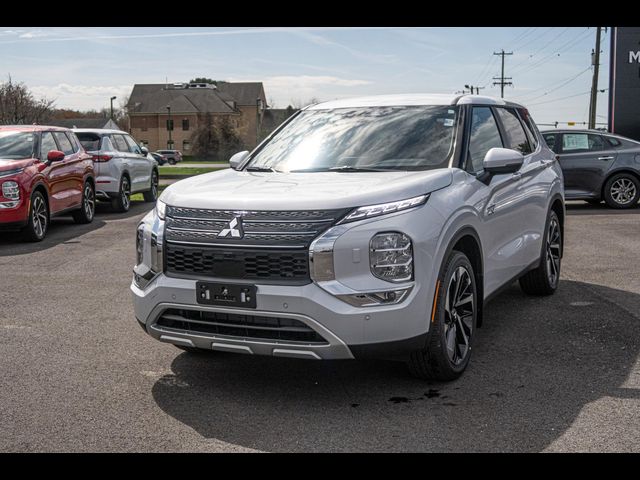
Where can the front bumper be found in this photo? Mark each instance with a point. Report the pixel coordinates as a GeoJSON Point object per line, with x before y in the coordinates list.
{"type": "Point", "coordinates": [14, 217]}
{"type": "Point", "coordinates": [345, 328]}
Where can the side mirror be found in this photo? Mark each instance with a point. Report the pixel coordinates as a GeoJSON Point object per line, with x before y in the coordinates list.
{"type": "Point", "coordinates": [144, 150]}
{"type": "Point", "coordinates": [236, 160]}
{"type": "Point", "coordinates": [502, 160]}
{"type": "Point", "coordinates": [55, 156]}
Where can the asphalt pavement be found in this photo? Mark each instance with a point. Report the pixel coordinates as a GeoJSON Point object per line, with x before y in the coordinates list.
{"type": "Point", "coordinates": [77, 373]}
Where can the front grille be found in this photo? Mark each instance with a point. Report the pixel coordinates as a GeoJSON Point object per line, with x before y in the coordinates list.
{"type": "Point", "coordinates": [276, 228]}
{"type": "Point", "coordinates": [269, 266]}
{"type": "Point", "coordinates": [238, 326]}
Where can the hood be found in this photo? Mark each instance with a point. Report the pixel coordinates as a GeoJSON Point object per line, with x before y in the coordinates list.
{"type": "Point", "coordinates": [233, 190]}
{"type": "Point", "coordinates": [14, 164]}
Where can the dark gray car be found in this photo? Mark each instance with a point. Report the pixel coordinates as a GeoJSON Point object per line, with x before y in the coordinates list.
{"type": "Point", "coordinates": [597, 166]}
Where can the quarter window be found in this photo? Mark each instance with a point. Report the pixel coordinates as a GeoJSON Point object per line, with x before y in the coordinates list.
{"type": "Point", "coordinates": [65, 144]}
{"type": "Point", "coordinates": [529, 126]}
{"type": "Point", "coordinates": [516, 137]}
{"type": "Point", "coordinates": [483, 137]}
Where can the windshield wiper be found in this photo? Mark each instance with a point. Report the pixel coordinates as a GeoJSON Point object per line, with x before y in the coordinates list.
{"type": "Point", "coordinates": [260, 169]}
{"type": "Point", "coordinates": [352, 168]}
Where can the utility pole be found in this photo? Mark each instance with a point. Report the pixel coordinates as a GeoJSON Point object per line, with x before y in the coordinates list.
{"type": "Point", "coordinates": [595, 61]}
{"type": "Point", "coordinates": [112, 99]}
{"type": "Point", "coordinates": [502, 78]}
{"type": "Point", "coordinates": [471, 87]}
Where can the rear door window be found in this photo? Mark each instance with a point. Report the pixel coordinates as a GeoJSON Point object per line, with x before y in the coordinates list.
{"type": "Point", "coordinates": [74, 141]}
{"type": "Point", "coordinates": [581, 142]}
{"type": "Point", "coordinates": [64, 143]}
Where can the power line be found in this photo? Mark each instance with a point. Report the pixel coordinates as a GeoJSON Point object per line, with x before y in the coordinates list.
{"type": "Point", "coordinates": [540, 49]}
{"type": "Point", "coordinates": [563, 98]}
{"type": "Point", "coordinates": [535, 39]}
{"type": "Point", "coordinates": [551, 85]}
{"type": "Point", "coordinates": [562, 85]}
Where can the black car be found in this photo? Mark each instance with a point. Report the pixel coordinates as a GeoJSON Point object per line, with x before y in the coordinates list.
{"type": "Point", "coordinates": [597, 166]}
{"type": "Point", "coordinates": [161, 159]}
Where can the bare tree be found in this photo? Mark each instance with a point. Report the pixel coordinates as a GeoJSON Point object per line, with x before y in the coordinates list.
{"type": "Point", "coordinates": [19, 107]}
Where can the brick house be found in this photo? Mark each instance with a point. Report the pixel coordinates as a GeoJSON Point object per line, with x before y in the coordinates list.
{"type": "Point", "coordinates": [243, 104]}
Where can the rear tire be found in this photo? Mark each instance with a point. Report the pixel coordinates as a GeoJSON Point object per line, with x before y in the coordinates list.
{"type": "Point", "coordinates": [123, 201]}
{"type": "Point", "coordinates": [448, 349]}
{"type": "Point", "coordinates": [622, 191]}
{"type": "Point", "coordinates": [87, 209]}
{"type": "Point", "coordinates": [152, 194]}
{"type": "Point", "coordinates": [172, 161]}
{"type": "Point", "coordinates": [545, 278]}
{"type": "Point", "coordinates": [38, 221]}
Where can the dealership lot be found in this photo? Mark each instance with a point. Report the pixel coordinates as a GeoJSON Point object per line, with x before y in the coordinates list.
{"type": "Point", "coordinates": [547, 374]}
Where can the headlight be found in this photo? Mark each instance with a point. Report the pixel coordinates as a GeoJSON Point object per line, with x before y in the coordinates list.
{"type": "Point", "coordinates": [384, 208]}
{"type": "Point", "coordinates": [11, 190]}
{"type": "Point", "coordinates": [160, 209]}
{"type": "Point", "coordinates": [391, 257]}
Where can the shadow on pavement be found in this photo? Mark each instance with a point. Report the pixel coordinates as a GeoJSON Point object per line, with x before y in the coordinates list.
{"type": "Point", "coordinates": [537, 363]}
{"type": "Point", "coordinates": [584, 208]}
{"type": "Point", "coordinates": [64, 230]}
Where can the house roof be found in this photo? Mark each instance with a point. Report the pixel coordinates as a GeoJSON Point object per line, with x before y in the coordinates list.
{"type": "Point", "coordinates": [84, 123]}
{"type": "Point", "coordinates": [244, 93]}
{"type": "Point", "coordinates": [155, 97]}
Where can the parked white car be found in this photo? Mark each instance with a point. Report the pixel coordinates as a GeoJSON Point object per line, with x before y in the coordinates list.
{"type": "Point", "coordinates": [122, 166]}
{"type": "Point", "coordinates": [373, 226]}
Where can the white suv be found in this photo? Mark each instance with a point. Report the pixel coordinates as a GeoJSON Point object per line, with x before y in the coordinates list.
{"type": "Point", "coordinates": [122, 166]}
{"type": "Point", "coordinates": [374, 226]}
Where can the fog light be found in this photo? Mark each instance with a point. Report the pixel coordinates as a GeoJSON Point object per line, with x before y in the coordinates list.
{"type": "Point", "coordinates": [391, 257]}
{"type": "Point", "coordinates": [11, 190]}
{"type": "Point", "coordinates": [376, 299]}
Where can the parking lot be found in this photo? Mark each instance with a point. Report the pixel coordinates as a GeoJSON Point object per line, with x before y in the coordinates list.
{"type": "Point", "coordinates": [547, 374]}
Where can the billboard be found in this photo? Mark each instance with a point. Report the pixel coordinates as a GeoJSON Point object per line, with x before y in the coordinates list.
{"type": "Point", "coordinates": [624, 86]}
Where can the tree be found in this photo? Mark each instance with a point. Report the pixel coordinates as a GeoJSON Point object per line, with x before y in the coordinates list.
{"type": "Point", "coordinates": [205, 140]}
{"type": "Point", "coordinates": [19, 107]}
{"type": "Point", "coordinates": [205, 80]}
{"type": "Point", "coordinates": [230, 141]}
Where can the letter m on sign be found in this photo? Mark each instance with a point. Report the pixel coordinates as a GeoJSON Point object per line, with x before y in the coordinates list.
{"type": "Point", "coordinates": [634, 56]}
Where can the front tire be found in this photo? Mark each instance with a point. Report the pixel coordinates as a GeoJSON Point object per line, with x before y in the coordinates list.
{"type": "Point", "coordinates": [123, 201]}
{"type": "Point", "coordinates": [453, 324]}
{"type": "Point", "coordinates": [88, 207]}
{"type": "Point", "coordinates": [38, 222]}
{"type": "Point", "coordinates": [545, 278]}
{"type": "Point", "coordinates": [152, 194]}
{"type": "Point", "coordinates": [622, 191]}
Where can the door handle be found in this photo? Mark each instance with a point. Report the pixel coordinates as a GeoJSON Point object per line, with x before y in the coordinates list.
{"type": "Point", "coordinates": [605, 158]}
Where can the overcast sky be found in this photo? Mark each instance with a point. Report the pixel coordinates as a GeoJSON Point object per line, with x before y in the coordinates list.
{"type": "Point", "coordinates": [81, 68]}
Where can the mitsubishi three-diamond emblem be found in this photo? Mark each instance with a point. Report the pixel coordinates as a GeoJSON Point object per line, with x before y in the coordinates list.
{"type": "Point", "coordinates": [233, 229]}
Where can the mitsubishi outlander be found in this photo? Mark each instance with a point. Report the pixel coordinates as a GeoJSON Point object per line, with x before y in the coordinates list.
{"type": "Point", "coordinates": [377, 226]}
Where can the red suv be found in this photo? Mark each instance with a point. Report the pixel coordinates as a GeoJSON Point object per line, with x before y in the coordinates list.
{"type": "Point", "coordinates": [44, 171]}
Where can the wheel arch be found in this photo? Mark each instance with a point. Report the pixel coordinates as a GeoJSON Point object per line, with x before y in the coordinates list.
{"type": "Point", "coordinates": [467, 240]}
{"type": "Point", "coordinates": [42, 188]}
{"type": "Point", "coordinates": [557, 205]}
{"type": "Point", "coordinates": [630, 171]}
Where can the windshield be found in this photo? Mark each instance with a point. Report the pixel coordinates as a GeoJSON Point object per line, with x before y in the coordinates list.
{"type": "Point", "coordinates": [366, 139]}
{"type": "Point", "coordinates": [17, 145]}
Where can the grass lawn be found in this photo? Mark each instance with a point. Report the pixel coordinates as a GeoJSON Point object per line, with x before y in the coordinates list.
{"type": "Point", "coordinates": [183, 170]}
{"type": "Point", "coordinates": [192, 159]}
{"type": "Point", "coordinates": [140, 198]}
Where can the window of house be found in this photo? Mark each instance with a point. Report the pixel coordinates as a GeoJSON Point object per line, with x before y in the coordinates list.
{"type": "Point", "coordinates": [516, 137]}
{"type": "Point", "coordinates": [185, 124]}
{"type": "Point", "coordinates": [63, 141]}
{"type": "Point", "coordinates": [170, 144]}
{"type": "Point", "coordinates": [186, 145]}
{"type": "Point", "coordinates": [169, 124]}
{"type": "Point", "coordinates": [484, 136]}
{"type": "Point", "coordinates": [144, 125]}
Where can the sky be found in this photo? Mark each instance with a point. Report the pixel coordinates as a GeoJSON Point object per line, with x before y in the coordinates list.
{"type": "Point", "coordinates": [81, 68]}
